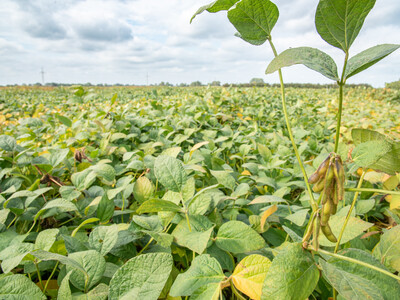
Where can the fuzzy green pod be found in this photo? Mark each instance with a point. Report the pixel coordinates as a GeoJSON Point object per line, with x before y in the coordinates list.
{"type": "Point", "coordinates": [326, 230]}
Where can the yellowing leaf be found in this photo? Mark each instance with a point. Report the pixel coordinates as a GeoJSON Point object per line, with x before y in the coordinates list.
{"type": "Point", "coordinates": [43, 152]}
{"type": "Point", "coordinates": [391, 183]}
{"type": "Point", "coordinates": [197, 146]}
{"type": "Point", "coordinates": [249, 275]}
{"type": "Point", "coordinates": [394, 201]}
{"type": "Point", "coordinates": [266, 214]}
{"type": "Point", "coordinates": [245, 172]}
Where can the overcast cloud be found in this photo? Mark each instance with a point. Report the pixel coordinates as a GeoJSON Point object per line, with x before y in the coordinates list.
{"type": "Point", "coordinates": [121, 41]}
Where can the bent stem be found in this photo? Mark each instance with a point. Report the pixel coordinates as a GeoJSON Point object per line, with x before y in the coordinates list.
{"type": "Point", "coordinates": [349, 213]}
{"type": "Point", "coordinates": [289, 128]}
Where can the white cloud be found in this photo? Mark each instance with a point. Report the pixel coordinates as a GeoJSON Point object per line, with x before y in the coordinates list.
{"type": "Point", "coordinates": [121, 41]}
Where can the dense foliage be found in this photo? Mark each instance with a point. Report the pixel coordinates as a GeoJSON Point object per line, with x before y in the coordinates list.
{"type": "Point", "coordinates": [139, 193]}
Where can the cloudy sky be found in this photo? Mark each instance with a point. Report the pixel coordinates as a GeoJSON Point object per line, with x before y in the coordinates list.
{"type": "Point", "coordinates": [121, 41]}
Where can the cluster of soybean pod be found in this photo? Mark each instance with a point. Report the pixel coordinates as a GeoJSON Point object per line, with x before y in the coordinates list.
{"type": "Point", "coordinates": [329, 179]}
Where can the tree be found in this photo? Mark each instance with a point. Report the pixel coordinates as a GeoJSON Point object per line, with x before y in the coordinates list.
{"type": "Point", "coordinates": [196, 83]}
{"type": "Point", "coordinates": [257, 82]}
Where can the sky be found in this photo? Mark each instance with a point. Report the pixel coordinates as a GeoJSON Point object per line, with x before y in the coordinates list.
{"type": "Point", "coordinates": [140, 41]}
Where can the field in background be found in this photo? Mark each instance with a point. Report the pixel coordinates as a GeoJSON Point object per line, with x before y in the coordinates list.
{"type": "Point", "coordinates": [75, 160]}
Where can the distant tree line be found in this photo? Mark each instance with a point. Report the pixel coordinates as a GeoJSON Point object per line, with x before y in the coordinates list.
{"type": "Point", "coordinates": [254, 82]}
{"type": "Point", "coordinates": [393, 85]}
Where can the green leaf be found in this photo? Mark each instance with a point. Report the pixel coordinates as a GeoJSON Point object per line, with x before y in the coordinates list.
{"type": "Point", "coordinates": [170, 172]}
{"type": "Point", "coordinates": [143, 189]}
{"type": "Point", "coordinates": [64, 292]}
{"type": "Point", "coordinates": [69, 192]}
{"type": "Point", "coordinates": [368, 153]}
{"type": "Point", "coordinates": [103, 238]}
{"type": "Point", "coordinates": [224, 178]}
{"type": "Point", "coordinates": [241, 190]}
{"type": "Point", "coordinates": [254, 20]}
{"type": "Point", "coordinates": [310, 57]}
{"type": "Point", "coordinates": [61, 205]}
{"type": "Point", "coordinates": [367, 58]}
{"type": "Point", "coordinates": [8, 143]}
{"type": "Point", "coordinates": [354, 228]}
{"type": "Point", "coordinates": [142, 277]}
{"type": "Point", "coordinates": [93, 263]}
{"type": "Point", "coordinates": [45, 256]}
{"type": "Point", "coordinates": [249, 275]}
{"type": "Point", "coordinates": [58, 156]}
{"type": "Point", "coordinates": [64, 120]}
{"type": "Point", "coordinates": [204, 270]}
{"type": "Point", "coordinates": [390, 162]}
{"type": "Point", "coordinates": [338, 22]}
{"type": "Point", "coordinates": [214, 7]}
{"type": "Point", "coordinates": [237, 237]}
{"type": "Point", "coordinates": [19, 287]}
{"type": "Point", "coordinates": [149, 223]}
{"type": "Point", "coordinates": [207, 292]}
{"type": "Point", "coordinates": [163, 239]}
{"type": "Point", "coordinates": [83, 180]}
{"type": "Point", "coordinates": [364, 206]}
{"type": "Point", "coordinates": [348, 285]}
{"type": "Point", "coordinates": [299, 217]}
{"type": "Point", "coordinates": [292, 275]}
{"type": "Point", "coordinates": [100, 292]}
{"type": "Point", "coordinates": [46, 239]}
{"type": "Point", "coordinates": [105, 209]}
{"type": "Point", "coordinates": [196, 239]}
{"type": "Point", "coordinates": [156, 205]}
{"type": "Point", "coordinates": [105, 172]}
{"type": "Point", "coordinates": [201, 203]}
{"type": "Point", "coordinates": [13, 255]}
{"type": "Point", "coordinates": [388, 287]}
{"type": "Point", "coordinates": [388, 249]}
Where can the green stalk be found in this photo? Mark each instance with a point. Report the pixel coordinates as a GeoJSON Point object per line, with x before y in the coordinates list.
{"type": "Point", "coordinates": [38, 273]}
{"type": "Point", "coordinates": [236, 292]}
{"type": "Point", "coordinates": [188, 222]}
{"type": "Point", "coordinates": [372, 191]}
{"type": "Point", "coordinates": [12, 221]}
{"type": "Point", "coordinates": [356, 261]}
{"type": "Point", "coordinates": [289, 128]}
{"type": "Point", "coordinates": [51, 275]}
{"type": "Point", "coordinates": [349, 213]}
{"type": "Point", "coordinates": [339, 114]}
{"type": "Point", "coordinates": [145, 247]}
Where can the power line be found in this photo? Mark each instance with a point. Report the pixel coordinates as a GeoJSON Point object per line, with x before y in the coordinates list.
{"type": "Point", "coordinates": [42, 72]}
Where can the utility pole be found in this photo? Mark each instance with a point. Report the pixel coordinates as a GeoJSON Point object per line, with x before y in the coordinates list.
{"type": "Point", "coordinates": [42, 72]}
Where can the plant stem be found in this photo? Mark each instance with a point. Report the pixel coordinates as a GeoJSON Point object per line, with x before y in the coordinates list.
{"type": "Point", "coordinates": [236, 293]}
{"type": "Point", "coordinates": [339, 114]}
{"type": "Point", "coordinates": [12, 221]}
{"type": "Point", "coordinates": [145, 247]}
{"type": "Point", "coordinates": [38, 273]}
{"type": "Point", "coordinates": [289, 128]}
{"type": "Point", "coordinates": [339, 117]}
{"type": "Point", "coordinates": [51, 275]}
{"type": "Point", "coordinates": [188, 222]}
{"type": "Point", "coordinates": [349, 213]}
{"type": "Point", "coordinates": [372, 191]}
{"type": "Point", "coordinates": [356, 261]}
